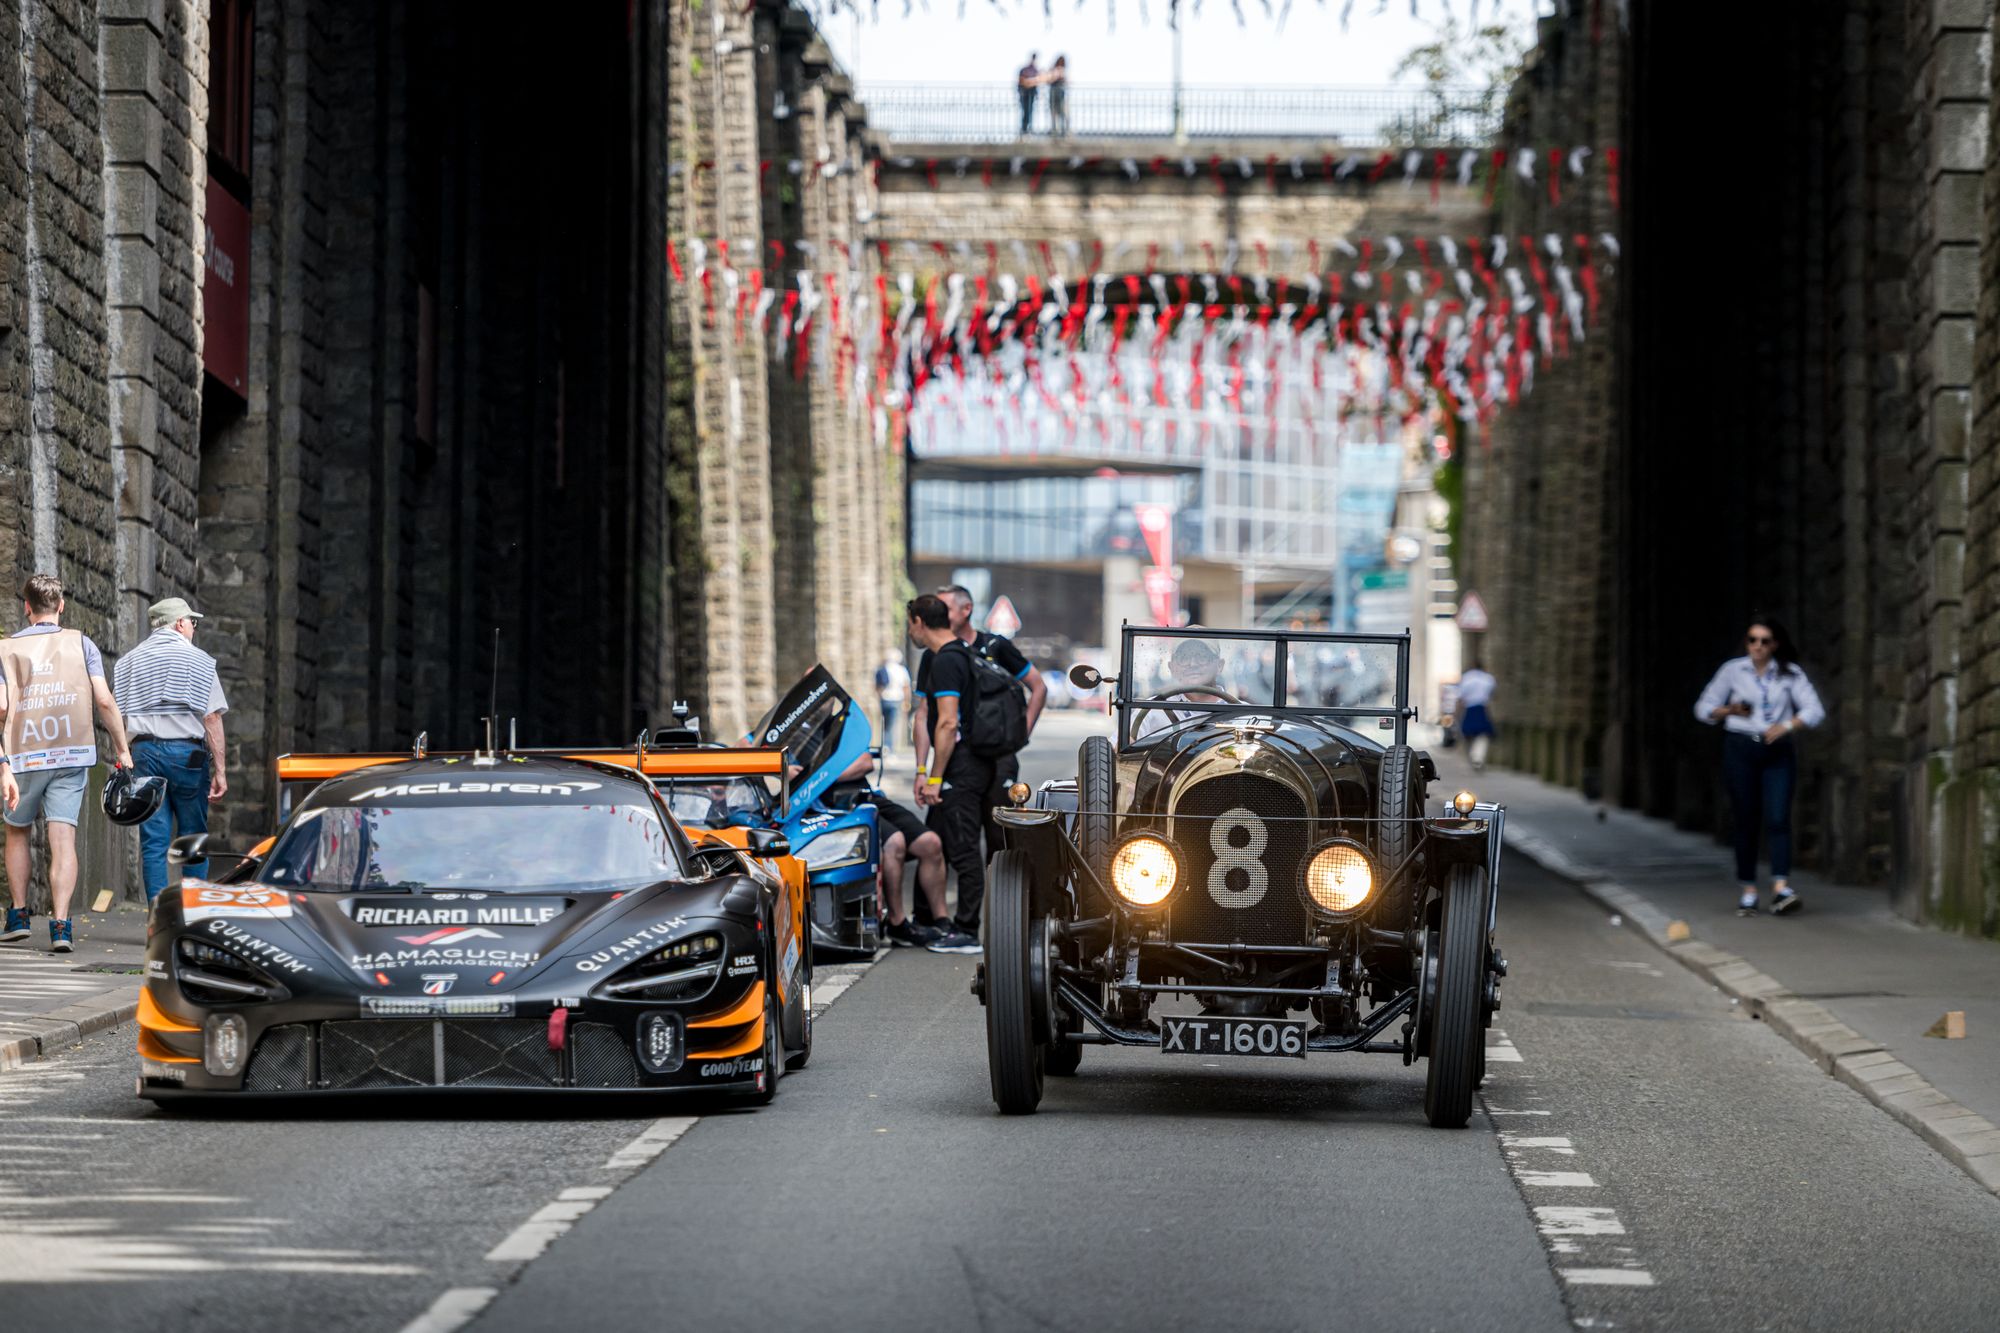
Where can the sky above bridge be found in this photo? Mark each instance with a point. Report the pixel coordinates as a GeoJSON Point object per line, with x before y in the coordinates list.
{"type": "Point", "coordinates": [986, 45]}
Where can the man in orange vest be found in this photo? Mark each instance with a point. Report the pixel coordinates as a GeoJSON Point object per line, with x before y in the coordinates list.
{"type": "Point", "coordinates": [52, 691]}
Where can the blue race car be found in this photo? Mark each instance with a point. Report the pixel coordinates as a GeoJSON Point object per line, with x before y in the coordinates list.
{"type": "Point", "coordinates": [829, 821]}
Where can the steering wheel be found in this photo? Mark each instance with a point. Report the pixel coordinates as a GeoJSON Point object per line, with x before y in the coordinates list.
{"type": "Point", "coordinates": [1209, 690]}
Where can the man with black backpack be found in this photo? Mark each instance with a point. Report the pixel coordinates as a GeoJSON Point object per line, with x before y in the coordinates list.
{"type": "Point", "coordinates": [1028, 687]}
{"type": "Point", "coordinates": [952, 785]}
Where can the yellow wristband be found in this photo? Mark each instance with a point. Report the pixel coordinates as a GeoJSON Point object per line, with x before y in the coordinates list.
{"type": "Point", "coordinates": [935, 782]}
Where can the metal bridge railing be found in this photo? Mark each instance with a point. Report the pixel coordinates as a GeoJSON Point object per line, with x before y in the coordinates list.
{"type": "Point", "coordinates": [1362, 117]}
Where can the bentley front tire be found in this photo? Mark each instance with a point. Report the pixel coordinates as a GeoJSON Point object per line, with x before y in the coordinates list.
{"type": "Point", "coordinates": [1014, 1058]}
{"type": "Point", "coordinates": [1096, 798]}
{"type": "Point", "coordinates": [1457, 1038]}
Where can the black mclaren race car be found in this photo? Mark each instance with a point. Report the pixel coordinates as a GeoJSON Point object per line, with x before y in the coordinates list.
{"type": "Point", "coordinates": [1251, 870]}
{"type": "Point", "coordinates": [482, 921]}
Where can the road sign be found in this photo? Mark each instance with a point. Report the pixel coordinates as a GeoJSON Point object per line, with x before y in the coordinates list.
{"type": "Point", "coordinates": [1002, 618]}
{"type": "Point", "coordinates": [1471, 615]}
{"type": "Point", "coordinates": [1376, 579]}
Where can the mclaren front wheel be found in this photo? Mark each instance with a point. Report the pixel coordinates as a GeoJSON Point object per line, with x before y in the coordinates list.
{"type": "Point", "coordinates": [1014, 1057]}
{"type": "Point", "coordinates": [1457, 1037]}
{"type": "Point", "coordinates": [774, 1050]}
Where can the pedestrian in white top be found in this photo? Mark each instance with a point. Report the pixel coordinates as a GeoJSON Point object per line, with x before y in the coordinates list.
{"type": "Point", "coordinates": [892, 688]}
{"type": "Point", "coordinates": [1760, 700]}
{"type": "Point", "coordinates": [1475, 691]}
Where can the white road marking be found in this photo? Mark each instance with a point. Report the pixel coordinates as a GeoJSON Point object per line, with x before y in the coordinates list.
{"type": "Point", "coordinates": [1565, 1221]}
{"type": "Point", "coordinates": [826, 992]}
{"type": "Point", "coordinates": [1514, 1142]}
{"type": "Point", "coordinates": [528, 1240]}
{"type": "Point", "coordinates": [1606, 1277]}
{"type": "Point", "coordinates": [1495, 1111]}
{"type": "Point", "coordinates": [650, 1144]}
{"type": "Point", "coordinates": [1500, 1050]}
{"type": "Point", "coordinates": [453, 1310]}
{"type": "Point", "coordinates": [1555, 1180]}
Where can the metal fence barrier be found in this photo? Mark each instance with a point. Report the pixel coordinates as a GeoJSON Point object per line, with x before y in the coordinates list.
{"type": "Point", "coordinates": [1363, 117]}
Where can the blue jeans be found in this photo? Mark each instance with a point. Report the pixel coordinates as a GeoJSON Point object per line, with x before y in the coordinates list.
{"type": "Point", "coordinates": [184, 764]}
{"type": "Point", "coordinates": [1760, 779]}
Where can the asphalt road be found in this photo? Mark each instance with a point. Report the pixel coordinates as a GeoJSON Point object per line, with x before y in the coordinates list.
{"type": "Point", "coordinates": [1651, 1160]}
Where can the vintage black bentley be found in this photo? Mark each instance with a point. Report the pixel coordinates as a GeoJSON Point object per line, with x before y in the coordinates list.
{"type": "Point", "coordinates": [1251, 870]}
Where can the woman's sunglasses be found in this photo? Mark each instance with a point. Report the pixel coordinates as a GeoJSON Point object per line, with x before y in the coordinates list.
{"type": "Point", "coordinates": [1756, 639]}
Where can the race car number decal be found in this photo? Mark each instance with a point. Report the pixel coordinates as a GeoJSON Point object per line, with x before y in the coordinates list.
{"type": "Point", "coordinates": [201, 901]}
{"type": "Point", "coordinates": [1249, 858]}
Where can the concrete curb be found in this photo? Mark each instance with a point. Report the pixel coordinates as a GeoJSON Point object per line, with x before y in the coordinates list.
{"type": "Point", "coordinates": [25, 1038]}
{"type": "Point", "coordinates": [1968, 1140]}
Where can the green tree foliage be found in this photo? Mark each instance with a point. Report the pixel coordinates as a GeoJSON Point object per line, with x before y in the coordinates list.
{"type": "Point", "coordinates": [1467, 71]}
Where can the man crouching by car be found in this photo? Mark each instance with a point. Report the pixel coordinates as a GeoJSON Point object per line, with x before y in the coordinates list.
{"type": "Point", "coordinates": [954, 792]}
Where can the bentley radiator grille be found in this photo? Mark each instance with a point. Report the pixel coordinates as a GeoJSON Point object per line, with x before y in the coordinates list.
{"type": "Point", "coordinates": [1241, 838]}
{"type": "Point", "coordinates": [282, 1061]}
{"type": "Point", "coordinates": [603, 1058]}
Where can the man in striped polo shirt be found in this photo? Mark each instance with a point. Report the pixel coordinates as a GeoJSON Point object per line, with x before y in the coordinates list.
{"type": "Point", "coordinates": [172, 700]}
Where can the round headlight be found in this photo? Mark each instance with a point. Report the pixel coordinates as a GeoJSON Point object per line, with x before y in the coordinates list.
{"type": "Point", "coordinates": [1339, 879]}
{"type": "Point", "coordinates": [1143, 871]}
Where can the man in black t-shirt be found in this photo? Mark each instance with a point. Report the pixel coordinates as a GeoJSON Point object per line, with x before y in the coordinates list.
{"type": "Point", "coordinates": [1002, 653]}
{"type": "Point", "coordinates": [952, 794]}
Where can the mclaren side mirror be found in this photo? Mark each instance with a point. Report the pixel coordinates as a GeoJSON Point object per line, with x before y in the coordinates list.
{"type": "Point", "coordinates": [1085, 676]}
{"type": "Point", "coordinates": [188, 847]}
{"type": "Point", "coordinates": [769, 842]}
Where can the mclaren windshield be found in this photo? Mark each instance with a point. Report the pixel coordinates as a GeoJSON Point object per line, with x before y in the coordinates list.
{"type": "Point", "coordinates": [486, 848]}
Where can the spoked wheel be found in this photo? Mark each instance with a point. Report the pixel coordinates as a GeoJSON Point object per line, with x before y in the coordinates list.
{"type": "Point", "coordinates": [774, 1048]}
{"type": "Point", "coordinates": [1014, 1056]}
{"type": "Point", "coordinates": [1065, 1053]}
{"type": "Point", "coordinates": [1457, 1039]}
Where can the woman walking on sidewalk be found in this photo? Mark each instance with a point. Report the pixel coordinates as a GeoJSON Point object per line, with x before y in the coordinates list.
{"type": "Point", "coordinates": [1760, 699]}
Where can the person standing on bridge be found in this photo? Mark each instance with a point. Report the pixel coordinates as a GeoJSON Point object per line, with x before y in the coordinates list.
{"type": "Point", "coordinates": [1057, 80]}
{"type": "Point", "coordinates": [172, 700]}
{"type": "Point", "coordinates": [51, 678]}
{"type": "Point", "coordinates": [1760, 699]}
{"type": "Point", "coordinates": [1028, 83]}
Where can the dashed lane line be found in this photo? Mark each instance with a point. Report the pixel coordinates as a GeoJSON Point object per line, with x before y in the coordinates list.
{"type": "Point", "coordinates": [452, 1310]}
{"type": "Point", "coordinates": [1584, 1241]}
{"type": "Point", "coordinates": [458, 1306]}
{"type": "Point", "coordinates": [528, 1240]}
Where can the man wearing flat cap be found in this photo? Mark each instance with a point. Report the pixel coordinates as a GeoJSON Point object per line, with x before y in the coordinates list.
{"type": "Point", "coordinates": [172, 700]}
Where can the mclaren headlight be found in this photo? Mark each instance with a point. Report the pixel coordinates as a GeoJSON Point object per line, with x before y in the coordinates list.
{"type": "Point", "coordinates": [1338, 880]}
{"type": "Point", "coordinates": [842, 847]}
{"type": "Point", "coordinates": [211, 974]}
{"type": "Point", "coordinates": [1144, 871]}
{"type": "Point", "coordinates": [683, 970]}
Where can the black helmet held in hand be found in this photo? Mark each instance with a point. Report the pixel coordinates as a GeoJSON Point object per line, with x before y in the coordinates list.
{"type": "Point", "coordinates": [131, 799]}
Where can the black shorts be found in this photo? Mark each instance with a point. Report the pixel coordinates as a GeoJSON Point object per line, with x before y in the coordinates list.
{"type": "Point", "coordinates": [893, 818]}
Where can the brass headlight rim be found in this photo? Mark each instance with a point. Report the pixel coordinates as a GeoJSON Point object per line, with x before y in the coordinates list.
{"type": "Point", "coordinates": [1173, 853]}
{"type": "Point", "coordinates": [1304, 885]}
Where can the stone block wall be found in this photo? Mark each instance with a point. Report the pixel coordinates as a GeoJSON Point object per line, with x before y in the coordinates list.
{"type": "Point", "coordinates": [1800, 422]}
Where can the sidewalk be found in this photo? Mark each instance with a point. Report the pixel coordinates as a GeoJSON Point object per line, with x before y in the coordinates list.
{"type": "Point", "coordinates": [48, 1001]}
{"type": "Point", "coordinates": [1844, 979]}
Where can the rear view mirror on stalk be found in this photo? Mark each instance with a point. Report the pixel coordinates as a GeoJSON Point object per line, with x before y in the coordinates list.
{"type": "Point", "coordinates": [1085, 676]}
